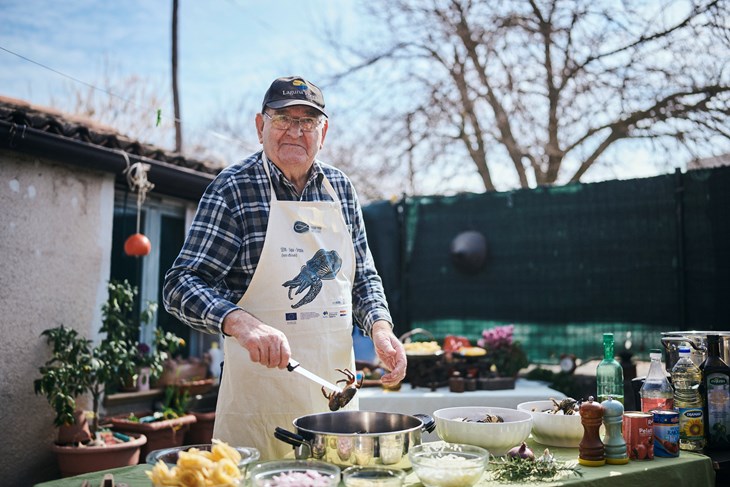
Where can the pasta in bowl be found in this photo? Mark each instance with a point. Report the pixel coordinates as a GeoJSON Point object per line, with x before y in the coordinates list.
{"type": "Point", "coordinates": [216, 464]}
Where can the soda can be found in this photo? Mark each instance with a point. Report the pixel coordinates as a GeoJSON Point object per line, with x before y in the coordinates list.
{"type": "Point", "coordinates": [666, 433]}
{"type": "Point", "coordinates": [638, 433]}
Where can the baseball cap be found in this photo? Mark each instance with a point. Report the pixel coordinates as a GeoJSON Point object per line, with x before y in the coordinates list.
{"type": "Point", "coordinates": [293, 90]}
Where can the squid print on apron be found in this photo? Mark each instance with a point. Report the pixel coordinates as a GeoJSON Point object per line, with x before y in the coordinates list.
{"type": "Point", "coordinates": [303, 287]}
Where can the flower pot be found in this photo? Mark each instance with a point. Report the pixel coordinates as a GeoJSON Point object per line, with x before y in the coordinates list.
{"type": "Point", "coordinates": [160, 434]}
{"type": "Point", "coordinates": [74, 460]}
{"type": "Point", "coordinates": [201, 431]}
{"type": "Point", "coordinates": [143, 379]}
{"type": "Point", "coordinates": [78, 432]}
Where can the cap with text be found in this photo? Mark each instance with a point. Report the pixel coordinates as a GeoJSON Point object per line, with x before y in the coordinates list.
{"type": "Point", "coordinates": [291, 91]}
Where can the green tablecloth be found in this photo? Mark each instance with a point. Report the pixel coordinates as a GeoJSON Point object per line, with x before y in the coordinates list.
{"type": "Point", "coordinates": [688, 470]}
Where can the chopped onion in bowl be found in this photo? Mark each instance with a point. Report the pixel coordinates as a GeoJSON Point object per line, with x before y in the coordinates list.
{"type": "Point", "coordinates": [448, 464]}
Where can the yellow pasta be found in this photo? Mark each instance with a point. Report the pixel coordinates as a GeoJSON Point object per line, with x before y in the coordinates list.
{"type": "Point", "coordinates": [200, 468]}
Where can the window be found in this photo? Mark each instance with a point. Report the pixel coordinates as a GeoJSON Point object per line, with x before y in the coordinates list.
{"type": "Point", "coordinates": [163, 221]}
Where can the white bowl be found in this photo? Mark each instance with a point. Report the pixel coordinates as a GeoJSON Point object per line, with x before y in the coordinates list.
{"type": "Point", "coordinates": [495, 437]}
{"type": "Point", "coordinates": [448, 464]}
{"type": "Point", "coordinates": [553, 429]}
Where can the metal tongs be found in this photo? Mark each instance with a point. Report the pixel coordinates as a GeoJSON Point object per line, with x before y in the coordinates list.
{"type": "Point", "coordinates": [294, 366]}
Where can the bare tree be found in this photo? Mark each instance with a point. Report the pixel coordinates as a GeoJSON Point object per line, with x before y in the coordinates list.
{"type": "Point", "coordinates": [127, 104]}
{"type": "Point", "coordinates": [547, 88]}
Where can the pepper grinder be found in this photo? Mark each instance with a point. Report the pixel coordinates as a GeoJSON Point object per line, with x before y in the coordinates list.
{"type": "Point", "coordinates": [591, 452]}
{"type": "Point", "coordinates": [613, 441]}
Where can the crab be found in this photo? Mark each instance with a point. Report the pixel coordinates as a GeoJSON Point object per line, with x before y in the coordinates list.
{"type": "Point", "coordinates": [567, 406]}
{"type": "Point", "coordinates": [339, 400]}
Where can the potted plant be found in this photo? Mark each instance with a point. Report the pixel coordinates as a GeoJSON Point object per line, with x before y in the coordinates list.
{"type": "Point", "coordinates": [76, 368]}
{"type": "Point", "coordinates": [507, 357]}
{"type": "Point", "coordinates": [164, 428]}
{"type": "Point", "coordinates": [122, 324]}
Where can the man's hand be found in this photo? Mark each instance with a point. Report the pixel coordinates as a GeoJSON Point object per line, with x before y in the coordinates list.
{"type": "Point", "coordinates": [390, 351]}
{"type": "Point", "coordinates": [265, 344]}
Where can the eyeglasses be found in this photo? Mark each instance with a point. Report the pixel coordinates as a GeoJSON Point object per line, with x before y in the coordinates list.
{"type": "Point", "coordinates": [283, 122]}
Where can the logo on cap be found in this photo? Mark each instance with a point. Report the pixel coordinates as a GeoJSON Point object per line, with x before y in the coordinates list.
{"type": "Point", "coordinates": [300, 83]}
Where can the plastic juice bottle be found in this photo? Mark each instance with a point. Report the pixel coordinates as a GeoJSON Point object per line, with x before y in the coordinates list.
{"type": "Point", "coordinates": [715, 390]}
{"type": "Point", "coordinates": [686, 379]}
{"type": "Point", "coordinates": [657, 392]}
{"type": "Point", "coordinates": [609, 374]}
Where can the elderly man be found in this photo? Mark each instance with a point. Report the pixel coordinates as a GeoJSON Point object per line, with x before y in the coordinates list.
{"type": "Point", "coordinates": [277, 260]}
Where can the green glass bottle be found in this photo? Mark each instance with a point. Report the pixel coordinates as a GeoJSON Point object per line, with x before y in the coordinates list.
{"type": "Point", "coordinates": [609, 374]}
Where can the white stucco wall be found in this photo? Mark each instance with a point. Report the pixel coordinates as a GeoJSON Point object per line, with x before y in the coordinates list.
{"type": "Point", "coordinates": [55, 243]}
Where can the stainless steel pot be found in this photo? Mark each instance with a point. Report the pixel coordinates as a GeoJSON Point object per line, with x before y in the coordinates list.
{"type": "Point", "coordinates": [697, 341]}
{"type": "Point", "coordinates": [347, 438]}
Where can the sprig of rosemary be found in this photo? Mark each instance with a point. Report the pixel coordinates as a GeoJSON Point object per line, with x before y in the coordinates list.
{"type": "Point", "coordinates": [521, 469]}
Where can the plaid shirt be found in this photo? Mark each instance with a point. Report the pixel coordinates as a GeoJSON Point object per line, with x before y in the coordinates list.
{"type": "Point", "coordinates": [224, 244]}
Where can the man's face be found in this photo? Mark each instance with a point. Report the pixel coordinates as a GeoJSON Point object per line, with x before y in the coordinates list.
{"type": "Point", "coordinates": [291, 149]}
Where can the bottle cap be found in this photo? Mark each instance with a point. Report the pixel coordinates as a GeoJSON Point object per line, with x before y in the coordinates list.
{"type": "Point", "coordinates": [684, 351]}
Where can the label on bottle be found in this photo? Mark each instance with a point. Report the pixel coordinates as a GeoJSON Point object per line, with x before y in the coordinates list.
{"type": "Point", "coordinates": [691, 424]}
{"type": "Point", "coordinates": [718, 409]}
{"type": "Point", "coordinates": [652, 403]}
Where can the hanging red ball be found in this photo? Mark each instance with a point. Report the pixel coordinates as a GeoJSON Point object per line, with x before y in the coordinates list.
{"type": "Point", "coordinates": [137, 245]}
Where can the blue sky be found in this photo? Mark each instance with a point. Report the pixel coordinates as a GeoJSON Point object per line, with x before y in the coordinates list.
{"type": "Point", "coordinates": [228, 49]}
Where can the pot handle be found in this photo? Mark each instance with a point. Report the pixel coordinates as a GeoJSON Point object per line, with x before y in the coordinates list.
{"type": "Point", "coordinates": [302, 449]}
{"type": "Point", "coordinates": [677, 340]}
{"type": "Point", "coordinates": [429, 424]}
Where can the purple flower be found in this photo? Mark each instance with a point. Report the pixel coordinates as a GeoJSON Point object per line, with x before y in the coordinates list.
{"type": "Point", "coordinates": [497, 337]}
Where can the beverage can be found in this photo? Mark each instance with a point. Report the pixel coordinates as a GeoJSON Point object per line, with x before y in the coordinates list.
{"type": "Point", "coordinates": [638, 433]}
{"type": "Point", "coordinates": [666, 433]}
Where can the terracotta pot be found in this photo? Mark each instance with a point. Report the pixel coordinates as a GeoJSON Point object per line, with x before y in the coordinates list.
{"type": "Point", "coordinates": [160, 434]}
{"type": "Point", "coordinates": [201, 431]}
{"type": "Point", "coordinates": [78, 432]}
{"type": "Point", "coordinates": [74, 460]}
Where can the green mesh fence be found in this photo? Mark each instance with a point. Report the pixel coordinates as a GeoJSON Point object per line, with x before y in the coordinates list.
{"type": "Point", "coordinates": [564, 264]}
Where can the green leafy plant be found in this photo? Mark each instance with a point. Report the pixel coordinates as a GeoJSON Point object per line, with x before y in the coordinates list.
{"type": "Point", "coordinates": [76, 367]}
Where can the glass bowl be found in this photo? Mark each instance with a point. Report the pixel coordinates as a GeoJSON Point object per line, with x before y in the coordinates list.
{"type": "Point", "coordinates": [448, 464]}
{"type": "Point", "coordinates": [170, 455]}
{"type": "Point", "coordinates": [373, 476]}
{"type": "Point", "coordinates": [302, 473]}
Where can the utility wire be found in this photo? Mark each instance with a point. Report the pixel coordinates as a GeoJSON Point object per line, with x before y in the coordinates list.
{"type": "Point", "coordinates": [114, 95]}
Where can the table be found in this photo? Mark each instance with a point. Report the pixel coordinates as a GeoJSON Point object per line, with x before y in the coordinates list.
{"type": "Point", "coordinates": [424, 401]}
{"type": "Point", "coordinates": [688, 470]}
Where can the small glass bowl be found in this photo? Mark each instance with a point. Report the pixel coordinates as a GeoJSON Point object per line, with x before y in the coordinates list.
{"type": "Point", "coordinates": [319, 474]}
{"type": "Point", "coordinates": [373, 476]}
{"type": "Point", "coordinates": [448, 464]}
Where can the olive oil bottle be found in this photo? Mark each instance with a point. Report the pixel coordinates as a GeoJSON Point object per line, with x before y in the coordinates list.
{"type": "Point", "coordinates": [715, 389]}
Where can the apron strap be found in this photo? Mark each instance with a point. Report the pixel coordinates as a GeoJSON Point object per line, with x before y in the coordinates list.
{"type": "Point", "coordinates": [326, 183]}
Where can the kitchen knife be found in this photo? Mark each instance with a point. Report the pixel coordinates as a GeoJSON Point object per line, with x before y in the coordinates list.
{"type": "Point", "coordinates": [294, 366]}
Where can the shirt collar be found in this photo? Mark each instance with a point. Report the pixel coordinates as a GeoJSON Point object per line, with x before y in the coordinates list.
{"type": "Point", "coordinates": [316, 175]}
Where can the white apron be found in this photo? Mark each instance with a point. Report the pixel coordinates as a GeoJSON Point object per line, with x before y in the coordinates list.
{"type": "Point", "coordinates": [302, 286]}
